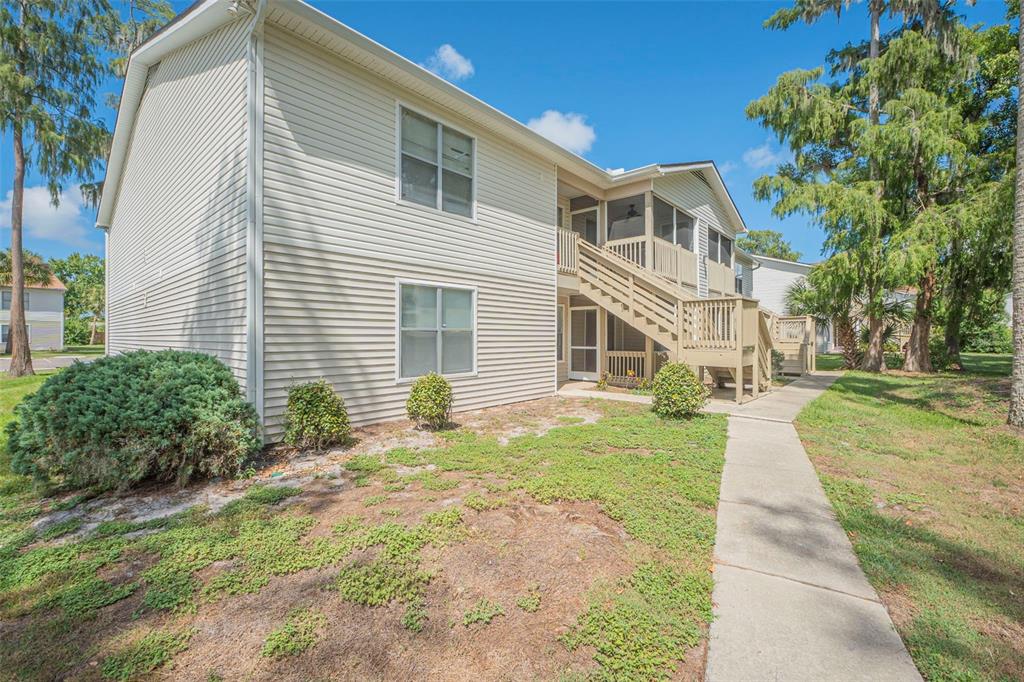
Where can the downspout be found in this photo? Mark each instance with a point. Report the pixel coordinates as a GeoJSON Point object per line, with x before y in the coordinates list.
{"type": "Point", "coordinates": [254, 207]}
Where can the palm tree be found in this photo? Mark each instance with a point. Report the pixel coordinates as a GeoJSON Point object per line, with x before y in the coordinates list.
{"type": "Point", "coordinates": [827, 302]}
{"type": "Point", "coordinates": [1016, 414]}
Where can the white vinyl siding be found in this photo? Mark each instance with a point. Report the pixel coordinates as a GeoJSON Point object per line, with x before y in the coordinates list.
{"type": "Point", "coordinates": [45, 316]}
{"type": "Point", "coordinates": [177, 239]}
{"type": "Point", "coordinates": [336, 240]}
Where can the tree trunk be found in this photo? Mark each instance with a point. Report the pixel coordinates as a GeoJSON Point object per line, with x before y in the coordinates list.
{"type": "Point", "coordinates": [954, 319]}
{"type": "Point", "coordinates": [875, 8]}
{"type": "Point", "coordinates": [92, 331]}
{"type": "Point", "coordinates": [874, 357]}
{"type": "Point", "coordinates": [846, 337]}
{"type": "Point", "coordinates": [917, 357]}
{"type": "Point", "coordinates": [17, 335]}
{"type": "Point", "coordinates": [1016, 413]}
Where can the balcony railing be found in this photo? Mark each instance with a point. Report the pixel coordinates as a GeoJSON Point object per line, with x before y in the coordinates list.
{"type": "Point", "coordinates": [568, 252]}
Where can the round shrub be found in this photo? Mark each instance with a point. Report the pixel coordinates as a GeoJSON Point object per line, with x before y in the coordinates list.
{"type": "Point", "coordinates": [315, 417]}
{"type": "Point", "coordinates": [430, 401]}
{"type": "Point", "coordinates": [678, 392]}
{"type": "Point", "coordinates": [166, 415]}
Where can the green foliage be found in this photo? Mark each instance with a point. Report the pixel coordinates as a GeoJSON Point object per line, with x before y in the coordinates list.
{"type": "Point", "coordinates": [430, 401]}
{"type": "Point", "coordinates": [37, 271]}
{"type": "Point", "coordinates": [84, 281]}
{"type": "Point", "coordinates": [374, 500]}
{"type": "Point", "coordinates": [301, 631]}
{"type": "Point", "coordinates": [530, 602]}
{"type": "Point", "coordinates": [993, 336]}
{"type": "Point", "coordinates": [145, 655]}
{"type": "Point", "coordinates": [484, 611]}
{"type": "Point", "coordinates": [678, 392]}
{"type": "Point", "coordinates": [395, 574]}
{"type": "Point", "coordinates": [639, 628]}
{"type": "Point", "coordinates": [120, 420]}
{"type": "Point", "coordinates": [62, 528]}
{"type": "Point", "coordinates": [778, 358]}
{"type": "Point", "coordinates": [315, 416]}
{"type": "Point", "coordinates": [478, 502]}
{"type": "Point", "coordinates": [767, 243]}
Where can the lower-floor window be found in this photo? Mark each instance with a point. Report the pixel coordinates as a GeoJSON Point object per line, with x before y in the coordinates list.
{"type": "Point", "coordinates": [5, 330]}
{"type": "Point", "coordinates": [437, 328]}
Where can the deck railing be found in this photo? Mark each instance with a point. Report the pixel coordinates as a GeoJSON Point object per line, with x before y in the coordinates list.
{"type": "Point", "coordinates": [626, 366]}
{"type": "Point", "coordinates": [632, 249]}
{"type": "Point", "coordinates": [568, 252]}
{"type": "Point", "coordinates": [721, 277]}
{"type": "Point", "coordinates": [675, 263]}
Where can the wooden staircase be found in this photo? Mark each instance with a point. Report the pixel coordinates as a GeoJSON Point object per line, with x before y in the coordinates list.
{"type": "Point", "coordinates": [729, 337]}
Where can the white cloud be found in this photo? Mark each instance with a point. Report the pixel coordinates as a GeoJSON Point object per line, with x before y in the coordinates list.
{"type": "Point", "coordinates": [567, 130]}
{"type": "Point", "coordinates": [726, 168]}
{"type": "Point", "coordinates": [68, 223]}
{"type": "Point", "coordinates": [448, 63]}
{"type": "Point", "coordinates": [760, 157]}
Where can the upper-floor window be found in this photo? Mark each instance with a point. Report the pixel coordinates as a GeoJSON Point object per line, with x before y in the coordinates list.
{"type": "Point", "coordinates": [672, 225]}
{"type": "Point", "coordinates": [437, 165]}
{"type": "Point", "coordinates": [436, 330]}
{"type": "Point", "coordinates": [738, 280]}
{"type": "Point", "coordinates": [5, 300]}
{"type": "Point", "coordinates": [719, 248]}
{"type": "Point", "coordinates": [626, 217]}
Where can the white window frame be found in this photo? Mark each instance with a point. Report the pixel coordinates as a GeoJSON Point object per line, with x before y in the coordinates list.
{"type": "Point", "coordinates": [10, 294]}
{"type": "Point", "coordinates": [441, 125]}
{"type": "Point", "coordinates": [28, 333]}
{"type": "Point", "coordinates": [399, 281]}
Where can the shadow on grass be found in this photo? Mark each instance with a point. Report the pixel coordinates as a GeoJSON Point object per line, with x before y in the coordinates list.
{"type": "Point", "coordinates": [875, 390]}
{"type": "Point", "coordinates": [954, 583]}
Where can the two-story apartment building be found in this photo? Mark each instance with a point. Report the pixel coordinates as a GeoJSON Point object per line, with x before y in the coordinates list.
{"type": "Point", "coordinates": [298, 200]}
{"type": "Point", "coordinates": [44, 314]}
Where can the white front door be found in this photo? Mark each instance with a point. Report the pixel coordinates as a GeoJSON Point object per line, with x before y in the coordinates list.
{"type": "Point", "coordinates": [583, 336]}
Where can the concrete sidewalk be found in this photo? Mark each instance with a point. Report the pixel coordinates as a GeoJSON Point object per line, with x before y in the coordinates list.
{"type": "Point", "coordinates": [791, 602]}
{"type": "Point", "coordinates": [51, 362]}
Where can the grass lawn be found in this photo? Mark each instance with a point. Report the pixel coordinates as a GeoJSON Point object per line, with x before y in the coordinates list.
{"type": "Point", "coordinates": [583, 550]}
{"type": "Point", "coordinates": [929, 484]}
{"type": "Point", "coordinates": [68, 350]}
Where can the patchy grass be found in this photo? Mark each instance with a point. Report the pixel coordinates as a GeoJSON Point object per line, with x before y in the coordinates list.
{"type": "Point", "coordinates": [484, 611]}
{"type": "Point", "coordinates": [128, 595]}
{"type": "Point", "coordinates": [990, 364]}
{"type": "Point", "coordinates": [302, 630]}
{"type": "Point", "coordinates": [829, 361]}
{"type": "Point", "coordinates": [145, 655]}
{"type": "Point", "coordinates": [929, 484]}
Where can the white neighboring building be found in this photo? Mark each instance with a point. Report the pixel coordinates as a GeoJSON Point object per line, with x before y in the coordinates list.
{"type": "Point", "coordinates": [44, 314]}
{"type": "Point", "coordinates": [774, 278]}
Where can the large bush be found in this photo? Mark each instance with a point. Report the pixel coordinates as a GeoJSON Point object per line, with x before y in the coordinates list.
{"type": "Point", "coordinates": [315, 417]}
{"type": "Point", "coordinates": [167, 415]}
{"type": "Point", "coordinates": [430, 401]}
{"type": "Point", "coordinates": [678, 392]}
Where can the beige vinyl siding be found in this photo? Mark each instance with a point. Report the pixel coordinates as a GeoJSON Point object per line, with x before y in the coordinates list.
{"type": "Point", "coordinates": [692, 195]}
{"type": "Point", "coordinates": [177, 239]}
{"type": "Point", "coordinates": [335, 240]}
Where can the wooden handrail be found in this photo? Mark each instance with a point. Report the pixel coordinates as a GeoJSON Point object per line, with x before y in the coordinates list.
{"type": "Point", "coordinates": [568, 251]}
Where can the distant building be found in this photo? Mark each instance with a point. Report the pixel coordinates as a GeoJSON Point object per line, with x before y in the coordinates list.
{"type": "Point", "coordinates": [774, 278]}
{"type": "Point", "coordinates": [44, 315]}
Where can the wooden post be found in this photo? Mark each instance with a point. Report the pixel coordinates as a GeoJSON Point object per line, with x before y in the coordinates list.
{"type": "Point", "coordinates": [738, 343]}
{"type": "Point", "coordinates": [755, 370]}
{"type": "Point", "coordinates": [648, 358]}
{"type": "Point", "coordinates": [649, 230]}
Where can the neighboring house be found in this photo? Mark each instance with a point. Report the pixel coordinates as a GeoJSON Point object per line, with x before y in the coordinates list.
{"type": "Point", "coordinates": [44, 315]}
{"type": "Point", "coordinates": [294, 198]}
{"type": "Point", "coordinates": [774, 278]}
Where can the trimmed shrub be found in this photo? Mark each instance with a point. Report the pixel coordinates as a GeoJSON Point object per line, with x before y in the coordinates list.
{"type": "Point", "coordinates": [430, 401]}
{"type": "Point", "coordinates": [166, 415]}
{"type": "Point", "coordinates": [315, 417]}
{"type": "Point", "coordinates": [678, 392]}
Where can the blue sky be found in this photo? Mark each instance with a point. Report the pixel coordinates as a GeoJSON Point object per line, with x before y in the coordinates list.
{"type": "Point", "coordinates": [626, 84]}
